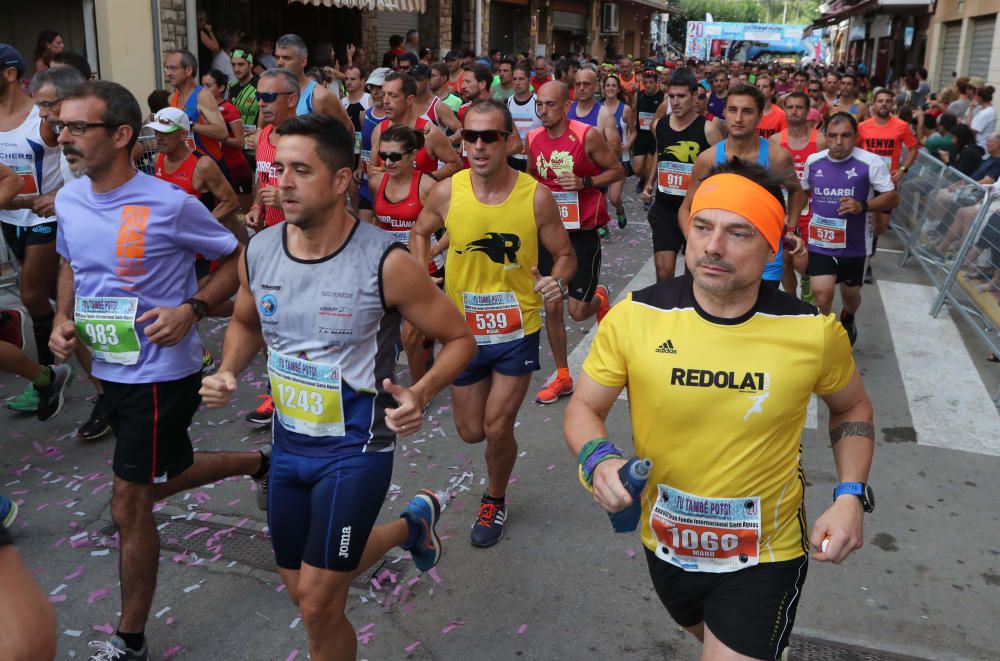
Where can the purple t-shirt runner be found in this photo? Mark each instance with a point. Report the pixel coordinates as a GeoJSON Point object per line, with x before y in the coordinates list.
{"type": "Point", "coordinates": [133, 249]}
{"type": "Point", "coordinates": [828, 181]}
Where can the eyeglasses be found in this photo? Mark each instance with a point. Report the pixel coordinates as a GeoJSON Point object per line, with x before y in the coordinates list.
{"type": "Point", "coordinates": [79, 128]}
{"type": "Point", "coordinates": [269, 97]}
{"type": "Point", "coordinates": [489, 136]}
{"type": "Point", "coordinates": [48, 105]}
{"type": "Point", "coordinates": [394, 156]}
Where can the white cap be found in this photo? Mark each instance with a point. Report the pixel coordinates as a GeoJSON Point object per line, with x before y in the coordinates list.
{"type": "Point", "coordinates": [169, 120]}
{"type": "Point", "coordinates": [377, 76]}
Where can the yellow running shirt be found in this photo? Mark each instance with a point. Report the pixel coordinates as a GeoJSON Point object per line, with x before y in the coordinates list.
{"type": "Point", "coordinates": [491, 251]}
{"type": "Point", "coordinates": [719, 405]}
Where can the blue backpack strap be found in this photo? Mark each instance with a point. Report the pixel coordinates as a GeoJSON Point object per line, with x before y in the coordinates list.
{"type": "Point", "coordinates": [191, 105]}
{"type": "Point", "coordinates": [763, 155]}
{"type": "Point", "coordinates": [720, 152]}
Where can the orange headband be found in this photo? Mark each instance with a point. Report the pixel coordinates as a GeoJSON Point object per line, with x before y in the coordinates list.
{"type": "Point", "coordinates": [732, 192]}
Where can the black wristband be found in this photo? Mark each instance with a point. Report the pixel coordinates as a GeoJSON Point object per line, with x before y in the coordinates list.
{"type": "Point", "coordinates": [864, 206]}
{"type": "Point", "coordinates": [199, 306]}
{"type": "Point", "coordinates": [588, 182]}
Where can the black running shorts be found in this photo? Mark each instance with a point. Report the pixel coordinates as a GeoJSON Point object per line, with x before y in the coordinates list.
{"type": "Point", "coordinates": [19, 238]}
{"type": "Point", "coordinates": [150, 422]}
{"type": "Point", "coordinates": [751, 611]}
{"type": "Point", "coordinates": [667, 235]}
{"type": "Point", "coordinates": [587, 246]}
{"type": "Point", "coordinates": [644, 145]}
{"type": "Point", "coordinates": [849, 270]}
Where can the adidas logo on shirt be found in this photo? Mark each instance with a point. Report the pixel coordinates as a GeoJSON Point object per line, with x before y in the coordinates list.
{"type": "Point", "coordinates": [666, 347]}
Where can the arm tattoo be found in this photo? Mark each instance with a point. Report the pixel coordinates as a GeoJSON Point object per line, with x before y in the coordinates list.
{"type": "Point", "coordinates": [851, 429]}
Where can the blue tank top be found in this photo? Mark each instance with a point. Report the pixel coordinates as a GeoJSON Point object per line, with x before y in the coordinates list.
{"type": "Point", "coordinates": [305, 105]}
{"type": "Point", "coordinates": [590, 118]}
{"type": "Point", "coordinates": [368, 124]}
{"type": "Point", "coordinates": [776, 266]}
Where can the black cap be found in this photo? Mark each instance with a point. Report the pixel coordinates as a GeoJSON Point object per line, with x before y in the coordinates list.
{"type": "Point", "coordinates": [10, 57]}
{"type": "Point", "coordinates": [421, 71]}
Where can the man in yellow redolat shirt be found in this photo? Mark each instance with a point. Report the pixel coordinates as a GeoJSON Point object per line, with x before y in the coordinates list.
{"type": "Point", "coordinates": [497, 220]}
{"type": "Point", "coordinates": [719, 372]}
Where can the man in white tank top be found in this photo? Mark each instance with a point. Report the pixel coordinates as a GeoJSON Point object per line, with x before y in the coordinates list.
{"type": "Point", "coordinates": [522, 111]}
{"type": "Point", "coordinates": [28, 147]}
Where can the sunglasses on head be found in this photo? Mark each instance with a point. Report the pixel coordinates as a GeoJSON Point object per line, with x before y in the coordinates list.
{"type": "Point", "coordinates": [394, 156]}
{"type": "Point", "coordinates": [491, 135]}
{"type": "Point", "coordinates": [269, 97]}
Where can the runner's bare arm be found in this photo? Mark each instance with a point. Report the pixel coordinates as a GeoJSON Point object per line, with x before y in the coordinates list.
{"type": "Point", "coordinates": [852, 435]}
{"type": "Point", "coordinates": [374, 181]}
{"type": "Point", "coordinates": [62, 341]}
{"type": "Point", "coordinates": [242, 342]}
{"type": "Point", "coordinates": [553, 236]}
{"type": "Point", "coordinates": [583, 422]}
{"type": "Point", "coordinates": [601, 153]}
{"type": "Point", "coordinates": [606, 124]}
{"type": "Point", "coordinates": [661, 111]}
{"type": "Point", "coordinates": [628, 118]}
{"type": "Point", "coordinates": [431, 219]}
{"type": "Point", "coordinates": [514, 144]}
{"type": "Point", "coordinates": [208, 178]}
{"type": "Point", "coordinates": [237, 140]}
{"type": "Point", "coordinates": [375, 164]}
{"type": "Point", "coordinates": [27, 621]}
{"type": "Point", "coordinates": [796, 200]}
{"type": "Point", "coordinates": [324, 102]}
{"type": "Point", "coordinates": [408, 288]}
{"type": "Point", "coordinates": [713, 133]}
{"type": "Point", "coordinates": [214, 126]}
{"type": "Point", "coordinates": [439, 148]}
{"type": "Point", "coordinates": [10, 185]}
{"type": "Point", "coordinates": [447, 117]}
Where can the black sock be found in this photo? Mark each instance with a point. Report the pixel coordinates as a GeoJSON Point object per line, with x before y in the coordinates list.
{"type": "Point", "coordinates": [42, 329]}
{"type": "Point", "coordinates": [133, 641]}
{"type": "Point", "coordinates": [846, 318]}
{"type": "Point", "coordinates": [874, 245]}
{"type": "Point", "coordinates": [265, 465]}
{"type": "Point", "coordinates": [496, 501]}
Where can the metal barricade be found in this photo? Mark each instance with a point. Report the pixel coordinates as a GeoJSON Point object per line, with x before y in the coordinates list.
{"type": "Point", "coordinates": [147, 162]}
{"type": "Point", "coordinates": [972, 286]}
{"type": "Point", "coordinates": [944, 214]}
{"type": "Point", "coordinates": [919, 182]}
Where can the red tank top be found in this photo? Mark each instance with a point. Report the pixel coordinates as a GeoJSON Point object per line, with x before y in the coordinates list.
{"type": "Point", "coordinates": [398, 218]}
{"type": "Point", "coordinates": [431, 113]}
{"type": "Point", "coordinates": [265, 173]}
{"type": "Point", "coordinates": [182, 177]}
{"type": "Point", "coordinates": [423, 161]}
{"type": "Point", "coordinates": [799, 157]}
{"type": "Point", "coordinates": [580, 210]}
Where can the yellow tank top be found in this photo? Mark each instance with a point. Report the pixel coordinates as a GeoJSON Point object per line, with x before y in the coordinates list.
{"type": "Point", "coordinates": [491, 252]}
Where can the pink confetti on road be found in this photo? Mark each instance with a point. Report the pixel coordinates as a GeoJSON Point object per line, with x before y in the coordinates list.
{"type": "Point", "coordinates": [97, 594]}
{"type": "Point", "coordinates": [195, 532]}
{"type": "Point", "coordinates": [368, 627]}
{"type": "Point", "coordinates": [171, 652]}
{"type": "Point", "coordinates": [630, 553]}
{"type": "Point", "coordinates": [76, 574]}
{"type": "Point", "coordinates": [106, 628]}
{"type": "Point", "coordinates": [412, 646]}
{"type": "Point", "coordinates": [292, 655]}
{"type": "Point", "coordinates": [521, 629]}
{"type": "Point", "coordinates": [432, 572]}
{"type": "Point", "coordinates": [57, 598]}
{"type": "Point", "coordinates": [280, 588]}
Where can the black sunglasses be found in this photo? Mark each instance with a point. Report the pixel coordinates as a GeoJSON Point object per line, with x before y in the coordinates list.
{"type": "Point", "coordinates": [488, 136]}
{"type": "Point", "coordinates": [269, 97]}
{"type": "Point", "coordinates": [394, 156]}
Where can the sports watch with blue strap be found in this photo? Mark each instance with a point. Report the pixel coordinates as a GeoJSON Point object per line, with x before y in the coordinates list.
{"type": "Point", "coordinates": [860, 489]}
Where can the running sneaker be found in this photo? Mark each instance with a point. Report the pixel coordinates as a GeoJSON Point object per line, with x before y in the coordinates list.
{"type": "Point", "coordinates": [207, 361]}
{"type": "Point", "coordinates": [13, 327]}
{"type": "Point", "coordinates": [8, 511]}
{"type": "Point", "coordinates": [603, 232]}
{"type": "Point", "coordinates": [639, 185]}
{"type": "Point", "coordinates": [555, 389]}
{"type": "Point", "coordinates": [622, 220]}
{"type": "Point", "coordinates": [422, 515]}
{"type": "Point", "coordinates": [52, 396]}
{"type": "Point", "coordinates": [26, 402]}
{"type": "Point", "coordinates": [262, 414]}
{"type": "Point", "coordinates": [114, 649]}
{"type": "Point", "coordinates": [265, 467]}
{"type": "Point", "coordinates": [852, 329]}
{"type": "Point", "coordinates": [604, 302]}
{"type": "Point", "coordinates": [97, 424]}
{"type": "Point", "coordinates": [488, 528]}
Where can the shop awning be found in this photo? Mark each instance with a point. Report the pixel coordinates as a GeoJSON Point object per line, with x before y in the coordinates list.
{"type": "Point", "coordinates": [380, 5]}
{"type": "Point", "coordinates": [659, 5]}
{"type": "Point", "coordinates": [839, 12]}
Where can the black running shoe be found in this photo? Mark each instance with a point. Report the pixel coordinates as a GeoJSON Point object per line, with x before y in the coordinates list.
{"type": "Point", "coordinates": [488, 528]}
{"type": "Point", "coordinates": [52, 396]}
{"type": "Point", "coordinates": [97, 424]}
{"type": "Point", "coordinates": [852, 329]}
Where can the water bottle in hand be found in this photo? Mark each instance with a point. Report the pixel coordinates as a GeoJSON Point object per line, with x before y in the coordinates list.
{"type": "Point", "coordinates": [633, 476]}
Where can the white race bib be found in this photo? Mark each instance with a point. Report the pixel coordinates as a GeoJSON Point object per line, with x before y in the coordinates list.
{"type": "Point", "coordinates": [568, 203]}
{"type": "Point", "coordinates": [828, 232]}
{"type": "Point", "coordinates": [307, 395]}
{"type": "Point", "coordinates": [673, 178]}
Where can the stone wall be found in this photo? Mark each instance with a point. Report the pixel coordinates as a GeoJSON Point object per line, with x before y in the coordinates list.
{"type": "Point", "coordinates": [369, 38]}
{"type": "Point", "coordinates": [469, 27]}
{"type": "Point", "coordinates": [435, 27]}
{"type": "Point", "coordinates": [173, 24]}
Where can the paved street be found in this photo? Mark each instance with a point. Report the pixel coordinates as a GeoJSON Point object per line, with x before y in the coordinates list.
{"type": "Point", "coordinates": [560, 585]}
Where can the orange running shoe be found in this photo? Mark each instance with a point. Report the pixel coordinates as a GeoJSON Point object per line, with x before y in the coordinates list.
{"type": "Point", "coordinates": [603, 295]}
{"type": "Point", "coordinates": [555, 389]}
{"type": "Point", "coordinates": [262, 414]}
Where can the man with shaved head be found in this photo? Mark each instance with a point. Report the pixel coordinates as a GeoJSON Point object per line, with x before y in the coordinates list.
{"type": "Point", "coordinates": [575, 162]}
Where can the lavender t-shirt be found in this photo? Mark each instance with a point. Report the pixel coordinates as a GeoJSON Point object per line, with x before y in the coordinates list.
{"type": "Point", "coordinates": [828, 181]}
{"type": "Point", "coordinates": [140, 241]}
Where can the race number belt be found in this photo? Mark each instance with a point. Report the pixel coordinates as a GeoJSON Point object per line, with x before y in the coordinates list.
{"type": "Point", "coordinates": [712, 535]}
{"type": "Point", "coordinates": [828, 233]}
{"type": "Point", "coordinates": [494, 318]}
{"type": "Point", "coordinates": [673, 178]}
{"type": "Point", "coordinates": [568, 203]}
{"type": "Point", "coordinates": [645, 120]}
{"type": "Point", "coordinates": [106, 325]}
{"type": "Point", "coordinates": [307, 395]}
